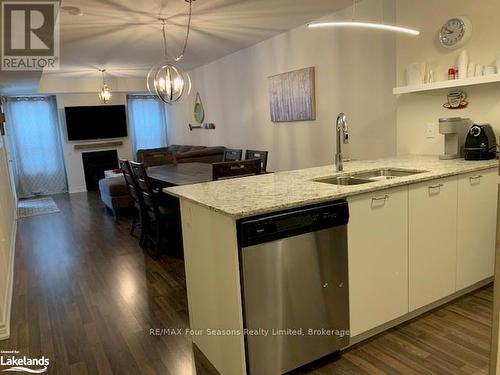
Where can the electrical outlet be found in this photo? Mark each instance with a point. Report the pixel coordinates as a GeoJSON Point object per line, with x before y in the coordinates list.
{"type": "Point", "coordinates": [429, 131]}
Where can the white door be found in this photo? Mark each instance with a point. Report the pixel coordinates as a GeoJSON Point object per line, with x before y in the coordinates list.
{"type": "Point", "coordinates": [432, 241]}
{"type": "Point", "coordinates": [477, 219]}
{"type": "Point", "coordinates": [378, 258]}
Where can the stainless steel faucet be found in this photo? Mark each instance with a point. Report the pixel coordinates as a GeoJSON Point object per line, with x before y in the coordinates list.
{"type": "Point", "coordinates": [342, 138]}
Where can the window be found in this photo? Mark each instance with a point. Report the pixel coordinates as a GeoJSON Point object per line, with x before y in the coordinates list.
{"type": "Point", "coordinates": [147, 119]}
{"type": "Point", "coordinates": [35, 144]}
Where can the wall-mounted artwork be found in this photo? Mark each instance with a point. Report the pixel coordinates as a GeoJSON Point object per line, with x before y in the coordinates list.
{"type": "Point", "coordinates": [456, 100]}
{"type": "Point", "coordinates": [292, 96]}
{"type": "Point", "coordinates": [198, 110]}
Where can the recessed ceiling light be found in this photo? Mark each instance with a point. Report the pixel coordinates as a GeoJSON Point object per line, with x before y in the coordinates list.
{"type": "Point", "coordinates": [72, 10]}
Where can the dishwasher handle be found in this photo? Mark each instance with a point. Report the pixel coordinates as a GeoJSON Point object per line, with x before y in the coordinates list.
{"type": "Point", "coordinates": [276, 226]}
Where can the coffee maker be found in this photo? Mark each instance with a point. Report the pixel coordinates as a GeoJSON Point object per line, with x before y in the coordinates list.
{"type": "Point", "coordinates": [481, 143]}
{"type": "Point", "coordinates": [454, 130]}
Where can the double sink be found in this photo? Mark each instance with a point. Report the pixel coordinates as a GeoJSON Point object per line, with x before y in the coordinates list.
{"type": "Point", "coordinates": [369, 176]}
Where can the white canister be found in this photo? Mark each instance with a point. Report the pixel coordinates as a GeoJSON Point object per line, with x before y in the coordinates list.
{"type": "Point", "coordinates": [462, 64]}
{"type": "Point", "coordinates": [415, 74]}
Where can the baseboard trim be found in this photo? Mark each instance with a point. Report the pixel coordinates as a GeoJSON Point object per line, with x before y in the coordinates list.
{"type": "Point", "coordinates": [413, 314]}
{"type": "Point", "coordinates": [80, 189]}
{"type": "Point", "coordinates": [5, 320]}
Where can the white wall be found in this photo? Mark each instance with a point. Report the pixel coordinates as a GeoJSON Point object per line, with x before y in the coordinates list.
{"type": "Point", "coordinates": [7, 240]}
{"type": "Point", "coordinates": [73, 158]}
{"type": "Point", "coordinates": [415, 111]}
{"type": "Point", "coordinates": [51, 83]}
{"type": "Point", "coordinates": [355, 73]}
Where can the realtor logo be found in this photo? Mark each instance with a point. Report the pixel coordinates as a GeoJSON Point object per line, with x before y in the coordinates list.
{"type": "Point", "coordinates": [30, 35]}
{"type": "Point", "coordinates": [24, 364]}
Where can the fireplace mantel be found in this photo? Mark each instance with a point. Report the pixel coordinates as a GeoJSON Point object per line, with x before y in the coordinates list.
{"type": "Point", "coordinates": [90, 146]}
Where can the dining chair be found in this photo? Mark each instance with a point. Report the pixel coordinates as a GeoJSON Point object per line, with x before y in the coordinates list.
{"type": "Point", "coordinates": [232, 169]}
{"type": "Point", "coordinates": [139, 215]}
{"type": "Point", "coordinates": [256, 154]}
{"type": "Point", "coordinates": [232, 155]}
{"type": "Point", "coordinates": [159, 216]}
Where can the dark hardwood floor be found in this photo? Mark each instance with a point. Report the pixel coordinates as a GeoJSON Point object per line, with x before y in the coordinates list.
{"type": "Point", "coordinates": [86, 296]}
{"type": "Point", "coordinates": [451, 340]}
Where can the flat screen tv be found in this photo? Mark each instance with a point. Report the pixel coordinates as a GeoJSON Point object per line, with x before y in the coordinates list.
{"type": "Point", "coordinates": [96, 122]}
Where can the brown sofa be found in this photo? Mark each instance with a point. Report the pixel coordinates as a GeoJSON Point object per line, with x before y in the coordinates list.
{"type": "Point", "coordinates": [114, 193]}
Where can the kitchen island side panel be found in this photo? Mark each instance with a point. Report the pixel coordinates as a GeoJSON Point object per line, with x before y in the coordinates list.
{"type": "Point", "coordinates": [213, 285]}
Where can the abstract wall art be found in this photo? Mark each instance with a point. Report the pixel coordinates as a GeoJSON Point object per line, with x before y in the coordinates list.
{"type": "Point", "coordinates": [292, 96]}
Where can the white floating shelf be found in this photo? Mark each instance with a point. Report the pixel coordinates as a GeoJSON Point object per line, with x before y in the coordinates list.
{"type": "Point", "coordinates": [455, 83]}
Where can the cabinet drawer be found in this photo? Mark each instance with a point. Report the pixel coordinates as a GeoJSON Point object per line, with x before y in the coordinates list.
{"type": "Point", "coordinates": [378, 258]}
{"type": "Point", "coordinates": [477, 211]}
{"type": "Point", "coordinates": [432, 240]}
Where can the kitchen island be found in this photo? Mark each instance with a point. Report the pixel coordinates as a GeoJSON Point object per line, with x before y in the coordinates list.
{"type": "Point", "coordinates": [414, 242]}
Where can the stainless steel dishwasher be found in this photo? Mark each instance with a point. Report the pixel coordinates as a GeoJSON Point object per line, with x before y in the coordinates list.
{"type": "Point", "coordinates": [294, 277]}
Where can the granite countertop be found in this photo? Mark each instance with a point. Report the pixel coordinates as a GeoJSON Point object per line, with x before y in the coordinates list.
{"type": "Point", "coordinates": [250, 196]}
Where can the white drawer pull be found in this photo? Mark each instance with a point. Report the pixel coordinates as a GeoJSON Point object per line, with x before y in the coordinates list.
{"type": "Point", "coordinates": [383, 198]}
{"type": "Point", "coordinates": [475, 178]}
{"type": "Point", "coordinates": [436, 186]}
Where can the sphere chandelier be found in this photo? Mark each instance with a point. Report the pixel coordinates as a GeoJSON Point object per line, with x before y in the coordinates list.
{"type": "Point", "coordinates": [167, 80]}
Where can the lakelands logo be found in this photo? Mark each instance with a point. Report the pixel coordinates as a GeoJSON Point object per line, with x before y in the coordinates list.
{"type": "Point", "coordinates": [23, 364]}
{"type": "Point", "coordinates": [30, 35]}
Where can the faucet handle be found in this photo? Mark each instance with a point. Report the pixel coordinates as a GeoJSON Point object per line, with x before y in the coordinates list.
{"type": "Point", "coordinates": [342, 125]}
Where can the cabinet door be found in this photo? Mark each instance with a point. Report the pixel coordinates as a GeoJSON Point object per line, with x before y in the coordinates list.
{"type": "Point", "coordinates": [378, 258]}
{"type": "Point", "coordinates": [477, 219]}
{"type": "Point", "coordinates": [432, 240]}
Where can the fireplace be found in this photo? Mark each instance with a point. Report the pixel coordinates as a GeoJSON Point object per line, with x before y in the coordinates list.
{"type": "Point", "coordinates": [94, 165]}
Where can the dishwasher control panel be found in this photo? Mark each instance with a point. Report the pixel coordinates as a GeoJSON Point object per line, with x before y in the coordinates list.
{"type": "Point", "coordinates": [252, 231]}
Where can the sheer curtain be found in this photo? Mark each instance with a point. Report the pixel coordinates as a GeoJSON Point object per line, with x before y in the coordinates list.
{"type": "Point", "coordinates": [147, 119]}
{"type": "Point", "coordinates": [35, 144]}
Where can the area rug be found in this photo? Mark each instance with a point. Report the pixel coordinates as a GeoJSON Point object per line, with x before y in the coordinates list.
{"type": "Point", "coordinates": [37, 206]}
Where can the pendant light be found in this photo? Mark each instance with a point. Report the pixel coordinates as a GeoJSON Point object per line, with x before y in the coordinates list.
{"type": "Point", "coordinates": [366, 25]}
{"type": "Point", "coordinates": [167, 80]}
{"type": "Point", "coordinates": [105, 93]}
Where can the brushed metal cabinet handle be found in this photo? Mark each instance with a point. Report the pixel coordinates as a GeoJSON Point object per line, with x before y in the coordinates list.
{"type": "Point", "coordinates": [383, 198]}
{"type": "Point", "coordinates": [436, 186]}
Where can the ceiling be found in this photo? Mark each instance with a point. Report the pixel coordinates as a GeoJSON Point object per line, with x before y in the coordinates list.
{"type": "Point", "coordinates": [124, 36]}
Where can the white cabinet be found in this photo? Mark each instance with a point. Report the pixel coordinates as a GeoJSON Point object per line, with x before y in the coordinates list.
{"type": "Point", "coordinates": [477, 211]}
{"type": "Point", "coordinates": [432, 240]}
{"type": "Point", "coordinates": [378, 258]}
{"type": "Point", "coordinates": [414, 245]}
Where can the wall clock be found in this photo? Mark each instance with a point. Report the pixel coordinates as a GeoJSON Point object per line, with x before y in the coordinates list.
{"type": "Point", "coordinates": [455, 32]}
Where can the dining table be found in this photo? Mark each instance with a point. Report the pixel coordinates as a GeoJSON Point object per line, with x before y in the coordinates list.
{"type": "Point", "coordinates": [180, 174]}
